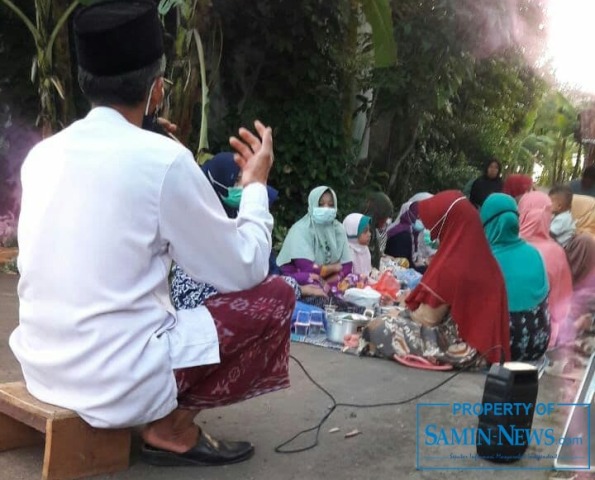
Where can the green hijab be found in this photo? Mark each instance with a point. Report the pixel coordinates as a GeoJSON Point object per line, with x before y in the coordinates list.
{"type": "Point", "coordinates": [321, 244]}
{"type": "Point", "coordinates": [521, 264]}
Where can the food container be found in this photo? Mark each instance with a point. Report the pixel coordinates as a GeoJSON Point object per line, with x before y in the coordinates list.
{"type": "Point", "coordinates": [341, 324]}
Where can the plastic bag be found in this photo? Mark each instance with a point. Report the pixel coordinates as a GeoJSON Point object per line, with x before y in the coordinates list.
{"type": "Point", "coordinates": [388, 286]}
{"type": "Point", "coordinates": [408, 276]}
{"type": "Point", "coordinates": [363, 297]}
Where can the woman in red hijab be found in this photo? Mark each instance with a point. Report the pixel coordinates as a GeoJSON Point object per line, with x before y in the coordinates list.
{"type": "Point", "coordinates": [516, 185]}
{"type": "Point", "coordinates": [460, 306]}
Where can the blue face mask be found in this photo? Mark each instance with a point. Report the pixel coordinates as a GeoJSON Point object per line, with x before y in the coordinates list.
{"type": "Point", "coordinates": [322, 215]}
{"type": "Point", "coordinates": [418, 226]}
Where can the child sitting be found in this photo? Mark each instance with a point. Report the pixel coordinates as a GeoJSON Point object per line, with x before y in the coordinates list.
{"type": "Point", "coordinates": [562, 228]}
{"type": "Point", "coordinates": [357, 227]}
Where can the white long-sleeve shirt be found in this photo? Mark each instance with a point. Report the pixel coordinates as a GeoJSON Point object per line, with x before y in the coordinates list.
{"type": "Point", "coordinates": [106, 206]}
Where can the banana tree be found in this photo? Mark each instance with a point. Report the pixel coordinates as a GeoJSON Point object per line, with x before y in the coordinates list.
{"type": "Point", "coordinates": [188, 70]}
{"type": "Point", "coordinates": [42, 70]}
{"type": "Point", "coordinates": [529, 150]}
{"type": "Point", "coordinates": [557, 119]}
{"type": "Point", "coordinates": [373, 19]}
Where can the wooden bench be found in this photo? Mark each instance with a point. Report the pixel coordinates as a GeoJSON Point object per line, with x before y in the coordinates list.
{"type": "Point", "coordinates": [73, 449]}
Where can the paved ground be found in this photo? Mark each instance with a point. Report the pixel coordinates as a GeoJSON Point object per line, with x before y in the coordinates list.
{"type": "Point", "coordinates": [385, 449]}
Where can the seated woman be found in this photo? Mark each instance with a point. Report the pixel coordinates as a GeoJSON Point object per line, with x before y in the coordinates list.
{"type": "Point", "coordinates": [460, 306]}
{"type": "Point", "coordinates": [583, 212]}
{"type": "Point", "coordinates": [379, 208]}
{"type": "Point", "coordinates": [535, 213]}
{"type": "Point", "coordinates": [516, 185]}
{"type": "Point", "coordinates": [405, 238]}
{"type": "Point", "coordinates": [357, 228]}
{"type": "Point", "coordinates": [580, 252]}
{"type": "Point", "coordinates": [525, 278]}
{"type": "Point", "coordinates": [223, 174]}
{"type": "Point", "coordinates": [315, 251]}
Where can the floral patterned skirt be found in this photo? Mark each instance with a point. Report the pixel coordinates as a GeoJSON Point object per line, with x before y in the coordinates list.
{"type": "Point", "coordinates": [401, 336]}
{"type": "Point", "coordinates": [253, 328]}
{"type": "Point", "coordinates": [529, 333]}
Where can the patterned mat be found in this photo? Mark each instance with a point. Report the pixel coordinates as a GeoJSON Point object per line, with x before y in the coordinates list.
{"type": "Point", "coordinates": [319, 340]}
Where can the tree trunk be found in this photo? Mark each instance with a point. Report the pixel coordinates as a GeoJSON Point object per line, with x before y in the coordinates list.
{"type": "Point", "coordinates": [560, 173]}
{"type": "Point", "coordinates": [349, 80]}
{"type": "Point", "coordinates": [47, 113]}
{"type": "Point", "coordinates": [577, 164]}
{"type": "Point", "coordinates": [397, 165]}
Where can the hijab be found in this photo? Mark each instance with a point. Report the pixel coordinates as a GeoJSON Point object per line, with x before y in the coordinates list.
{"type": "Point", "coordinates": [521, 264]}
{"type": "Point", "coordinates": [355, 224]}
{"type": "Point", "coordinates": [418, 197]}
{"type": "Point", "coordinates": [464, 275]}
{"type": "Point", "coordinates": [516, 185]}
{"type": "Point", "coordinates": [535, 212]}
{"type": "Point", "coordinates": [222, 172]}
{"type": "Point", "coordinates": [378, 207]}
{"type": "Point", "coordinates": [321, 244]}
{"type": "Point", "coordinates": [405, 221]}
{"type": "Point", "coordinates": [484, 186]}
{"type": "Point", "coordinates": [583, 212]}
{"type": "Point", "coordinates": [580, 252]}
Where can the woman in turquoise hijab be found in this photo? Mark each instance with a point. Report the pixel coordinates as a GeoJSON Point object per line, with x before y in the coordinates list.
{"type": "Point", "coordinates": [524, 275]}
{"type": "Point", "coordinates": [316, 251]}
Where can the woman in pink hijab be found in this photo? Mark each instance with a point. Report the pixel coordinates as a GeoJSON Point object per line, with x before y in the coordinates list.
{"type": "Point", "coordinates": [535, 211]}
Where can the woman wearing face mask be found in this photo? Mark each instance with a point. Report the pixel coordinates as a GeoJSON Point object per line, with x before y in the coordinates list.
{"type": "Point", "coordinates": [460, 306]}
{"type": "Point", "coordinates": [406, 239]}
{"type": "Point", "coordinates": [223, 174]}
{"type": "Point", "coordinates": [315, 251]}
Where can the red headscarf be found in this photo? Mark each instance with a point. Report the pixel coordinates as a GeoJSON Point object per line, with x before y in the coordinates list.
{"type": "Point", "coordinates": [464, 274]}
{"type": "Point", "coordinates": [516, 185]}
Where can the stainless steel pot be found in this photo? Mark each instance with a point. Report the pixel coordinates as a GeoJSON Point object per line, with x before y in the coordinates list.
{"type": "Point", "coordinates": [341, 324]}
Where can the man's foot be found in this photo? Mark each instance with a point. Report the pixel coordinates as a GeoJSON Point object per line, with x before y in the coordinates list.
{"type": "Point", "coordinates": [207, 452]}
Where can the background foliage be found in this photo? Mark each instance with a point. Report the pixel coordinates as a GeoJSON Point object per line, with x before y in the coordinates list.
{"type": "Point", "coordinates": [466, 85]}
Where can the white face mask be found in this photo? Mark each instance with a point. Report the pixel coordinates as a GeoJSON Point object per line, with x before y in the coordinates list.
{"type": "Point", "coordinates": [442, 220]}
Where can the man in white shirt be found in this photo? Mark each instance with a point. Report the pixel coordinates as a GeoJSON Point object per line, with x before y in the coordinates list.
{"type": "Point", "coordinates": [106, 206]}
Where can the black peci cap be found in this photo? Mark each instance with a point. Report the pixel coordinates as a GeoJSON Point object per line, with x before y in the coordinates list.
{"type": "Point", "coordinates": [118, 36]}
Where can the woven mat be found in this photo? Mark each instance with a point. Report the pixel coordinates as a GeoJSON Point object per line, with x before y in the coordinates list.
{"type": "Point", "coordinates": [319, 340]}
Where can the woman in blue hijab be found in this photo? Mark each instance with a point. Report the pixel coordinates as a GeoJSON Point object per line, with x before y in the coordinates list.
{"type": "Point", "coordinates": [524, 275]}
{"type": "Point", "coordinates": [224, 174]}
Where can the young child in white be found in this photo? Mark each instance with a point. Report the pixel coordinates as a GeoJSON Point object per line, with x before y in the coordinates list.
{"type": "Point", "coordinates": [563, 226]}
{"type": "Point", "coordinates": [357, 227]}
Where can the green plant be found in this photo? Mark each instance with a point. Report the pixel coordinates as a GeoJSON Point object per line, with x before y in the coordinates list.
{"type": "Point", "coordinates": [10, 266]}
{"type": "Point", "coordinates": [43, 65]}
